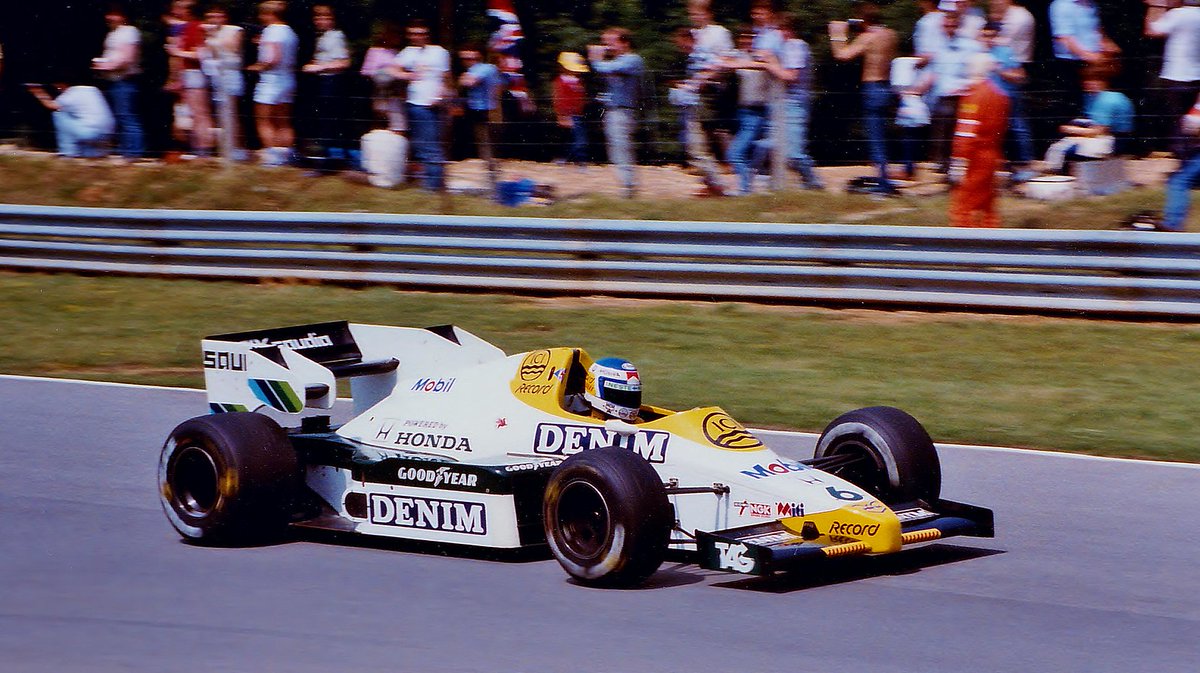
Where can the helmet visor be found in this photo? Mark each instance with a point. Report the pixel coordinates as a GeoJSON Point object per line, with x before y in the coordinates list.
{"type": "Point", "coordinates": [621, 393]}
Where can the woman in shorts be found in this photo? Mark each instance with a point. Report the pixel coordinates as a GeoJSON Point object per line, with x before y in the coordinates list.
{"type": "Point", "coordinates": [276, 84]}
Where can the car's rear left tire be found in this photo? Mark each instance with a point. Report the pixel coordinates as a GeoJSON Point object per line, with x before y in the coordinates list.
{"type": "Point", "coordinates": [607, 517]}
{"type": "Point", "coordinates": [888, 454]}
{"type": "Point", "coordinates": [228, 479]}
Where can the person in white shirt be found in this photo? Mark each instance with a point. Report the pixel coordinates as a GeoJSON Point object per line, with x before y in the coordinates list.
{"type": "Point", "coordinates": [425, 67]}
{"type": "Point", "coordinates": [120, 66]}
{"type": "Point", "coordinates": [1017, 27]}
{"type": "Point", "coordinates": [1179, 79]}
{"type": "Point", "coordinates": [276, 84]}
{"type": "Point", "coordinates": [82, 119]}
{"type": "Point", "coordinates": [329, 63]}
{"type": "Point", "coordinates": [221, 61]}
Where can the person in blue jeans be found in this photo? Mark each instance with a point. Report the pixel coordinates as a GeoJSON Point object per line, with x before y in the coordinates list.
{"type": "Point", "coordinates": [424, 66]}
{"type": "Point", "coordinates": [83, 122]}
{"type": "Point", "coordinates": [750, 67]}
{"type": "Point", "coordinates": [1179, 185]}
{"type": "Point", "coordinates": [120, 66]}
{"type": "Point", "coordinates": [622, 71]}
{"type": "Point", "coordinates": [876, 46]}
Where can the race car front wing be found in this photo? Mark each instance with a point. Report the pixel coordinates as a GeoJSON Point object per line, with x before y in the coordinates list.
{"type": "Point", "coordinates": [780, 545]}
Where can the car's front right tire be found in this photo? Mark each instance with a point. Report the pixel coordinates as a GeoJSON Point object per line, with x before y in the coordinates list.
{"type": "Point", "coordinates": [228, 478]}
{"type": "Point", "coordinates": [607, 517]}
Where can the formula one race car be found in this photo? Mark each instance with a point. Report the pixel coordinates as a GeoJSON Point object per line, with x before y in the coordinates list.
{"type": "Point", "coordinates": [455, 442]}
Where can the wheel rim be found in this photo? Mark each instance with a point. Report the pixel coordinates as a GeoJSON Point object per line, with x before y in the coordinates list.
{"type": "Point", "coordinates": [194, 482]}
{"type": "Point", "coordinates": [861, 467]}
{"type": "Point", "coordinates": [583, 520]}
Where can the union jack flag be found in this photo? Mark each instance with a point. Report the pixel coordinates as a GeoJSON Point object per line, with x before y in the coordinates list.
{"type": "Point", "coordinates": [506, 44]}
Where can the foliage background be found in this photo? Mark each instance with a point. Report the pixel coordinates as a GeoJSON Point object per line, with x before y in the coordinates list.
{"type": "Point", "coordinates": [49, 38]}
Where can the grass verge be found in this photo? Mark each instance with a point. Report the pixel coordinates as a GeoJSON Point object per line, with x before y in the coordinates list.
{"type": "Point", "coordinates": [1108, 388]}
{"type": "Point", "coordinates": [45, 180]}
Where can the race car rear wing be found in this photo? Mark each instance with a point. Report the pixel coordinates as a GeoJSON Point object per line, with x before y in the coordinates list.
{"type": "Point", "coordinates": [290, 368]}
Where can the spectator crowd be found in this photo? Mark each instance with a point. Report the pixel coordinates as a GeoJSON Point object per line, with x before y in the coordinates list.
{"type": "Point", "coordinates": [960, 99]}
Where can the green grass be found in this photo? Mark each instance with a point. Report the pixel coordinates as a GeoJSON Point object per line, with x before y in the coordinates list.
{"type": "Point", "coordinates": [46, 180]}
{"type": "Point", "coordinates": [1108, 388]}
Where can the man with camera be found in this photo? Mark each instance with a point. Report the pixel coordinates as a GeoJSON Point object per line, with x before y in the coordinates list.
{"type": "Point", "coordinates": [863, 38]}
{"type": "Point", "coordinates": [621, 70]}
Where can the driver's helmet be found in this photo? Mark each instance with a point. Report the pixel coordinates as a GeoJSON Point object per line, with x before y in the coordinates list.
{"type": "Point", "coordinates": [613, 387]}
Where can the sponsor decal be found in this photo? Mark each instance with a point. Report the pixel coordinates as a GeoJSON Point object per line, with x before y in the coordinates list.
{"type": "Point", "coordinates": [430, 425]}
{"type": "Point", "coordinates": [557, 373]}
{"type": "Point", "coordinates": [564, 440]}
{"type": "Point", "coordinates": [428, 514]}
{"type": "Point", "coordinates": [527, 467]}
{"type": "Point", "coordinates": [843, 495]}
{"type": "Point", "coordinates": [234, 362]}
{"type": "Point", "coordinates": [422, 440]}
{"type": "Point", "coordinates": [732, 556]}
{"type": "Point", "coordinates": [917, 514]}
{"type": "Point", "coordinates": [312, 340]}
{"type": "Point", "coordinates": [758, 509]}
{"type": "Point", "coordinates": [535, 388]}
{"type": "Point", "coordinates": [771, 469]}
{"type": "Point", "coordinates": [789, 509]}
{"type": "Point", "coordinates": [776, 538]}
{"type": "Point", "coordinates": [534, 365]}
{"type": "Point", "coordinates": [278, 395]}
{"type": "Point", "coordinates": [437, 477]}
{"type": "Point", "coordinates": [873, 506]}
{"type": "Point", "coordinates": [501, 422]}
{"type": "Point", "coordinates": [433, 385]}
{"type": "Point", "coordinates": [720, 429]}
{"type": "Point", "coordinates": [853, 529]}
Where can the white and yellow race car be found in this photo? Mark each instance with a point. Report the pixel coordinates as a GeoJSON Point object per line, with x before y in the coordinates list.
{"type": "Point", "coordinates": [455, 442]}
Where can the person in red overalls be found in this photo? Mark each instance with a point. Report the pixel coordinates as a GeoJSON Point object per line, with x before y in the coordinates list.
{"type": "Point", "coordinates": [978, 149]}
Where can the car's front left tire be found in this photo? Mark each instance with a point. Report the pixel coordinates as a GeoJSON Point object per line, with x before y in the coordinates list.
{"type": "Point", "coordinates": [607, 517]}
{"type": "Point", "coordinates": [228, 479]}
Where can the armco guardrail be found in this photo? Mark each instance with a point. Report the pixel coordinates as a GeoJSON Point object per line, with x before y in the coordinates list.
{"type": "Point", "coordinates": [1106, 272]}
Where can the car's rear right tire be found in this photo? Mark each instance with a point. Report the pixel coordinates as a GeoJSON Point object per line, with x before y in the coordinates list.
{"type": "Point", "coordinates": [228, 479]}
{"type": "Point", "coordinates": [607, 517]}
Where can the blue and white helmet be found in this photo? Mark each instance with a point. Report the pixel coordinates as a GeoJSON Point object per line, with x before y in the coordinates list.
{"type": "Point", "coordinates": [613, 387]}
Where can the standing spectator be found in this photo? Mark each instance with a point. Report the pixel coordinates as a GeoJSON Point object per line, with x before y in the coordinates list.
{"type": "Point", "coordinates": [710, 41]}
{"type": "Point", "coordinates": [1017, 28]}
{"type": "Point", "coordinates": [686, 96]}
{"type": "Point", "coordinates": [1079, 39]}
{"type": "Point", "coordinates": [929, 34]}
{"type": "Point", "coordinates": [1106, 128]}
{"type": "Point", "coordinates": [276, 84]}
{"type": "Point", "coordinates": [1179, 79]}
{"type": "Point", "coordinates": [978, 148]}
{"type": "Point", "coordinates": [120, 66]}
{"type": "Point", "coordinates": [196, 95]}
{"type": "Point", "coordinates": [82, 118]}
{"type": "Point", "coordinates": [387, 92]}
{"type": "Point", "coordinates": [752, 79]}
{"type": "Point", "coordinates": [1179, 185]}
{"type": "Point", "coordinates": [622, 71]}
{"type": "Point", "coordinates": [425, 67]}
{"type": "Point", "coordinates": [796, 71]}
{"type": "Point", "coordinates": [222, 63]}
{"type": "Point", "coordinates": [569, 98]}
{"type": "Point", "coordinates": [876, 46]}
{"type": "Point", "coordinates": [948, 82]}
{"type": "Point", "coordinates": [481, 83]}
{"type": "Point", "coordinates": [331, 59]}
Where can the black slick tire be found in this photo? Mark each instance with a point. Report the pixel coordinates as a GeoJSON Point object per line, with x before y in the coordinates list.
{"type": "Point", "coordinates": [228, 479]}
{"type": "Point", "coordinates": [607, 517]}
{"type": "Point", "coordinates": [898, 462]}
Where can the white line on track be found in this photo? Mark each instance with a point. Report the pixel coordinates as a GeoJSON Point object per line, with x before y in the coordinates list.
{"type": "Point", "coordinates": [779, 433]}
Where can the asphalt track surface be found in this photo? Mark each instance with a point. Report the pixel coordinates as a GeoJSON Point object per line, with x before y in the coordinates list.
{"type": "Point", "coordinates": [1094, 569]}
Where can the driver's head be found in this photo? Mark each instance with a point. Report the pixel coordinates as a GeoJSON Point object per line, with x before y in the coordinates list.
{"type": "Point", "coordinates": [614, 388]}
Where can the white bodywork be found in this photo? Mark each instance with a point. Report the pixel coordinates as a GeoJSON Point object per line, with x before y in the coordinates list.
{"type": "Point", "coordinates": [461, 401]}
